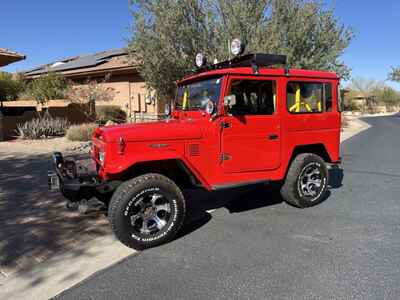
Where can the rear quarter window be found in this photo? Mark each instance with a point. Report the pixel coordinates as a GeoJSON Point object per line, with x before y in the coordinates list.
{"type": "Point", "coordinates": [308, 97]}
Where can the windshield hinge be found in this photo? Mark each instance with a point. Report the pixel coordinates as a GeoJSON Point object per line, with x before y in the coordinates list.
{"type": "Point", "coordinates": [224, 124]}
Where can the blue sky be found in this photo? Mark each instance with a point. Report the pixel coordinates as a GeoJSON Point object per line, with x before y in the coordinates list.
{"type": "Point", "coordinates": [47, 30]}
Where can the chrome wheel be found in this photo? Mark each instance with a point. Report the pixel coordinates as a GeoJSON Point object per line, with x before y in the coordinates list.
{"type": "Point", "coordinates": [310, 181]}
{"type": "Point", "coordinates": [150, 214]}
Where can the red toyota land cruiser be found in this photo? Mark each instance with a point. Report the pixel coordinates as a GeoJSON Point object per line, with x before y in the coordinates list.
{"type": "Point", "coordinates": [233, 123]}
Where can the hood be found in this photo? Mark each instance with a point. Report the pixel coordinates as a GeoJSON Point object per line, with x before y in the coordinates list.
{"type": "Point", "coordinates": [152, 131]}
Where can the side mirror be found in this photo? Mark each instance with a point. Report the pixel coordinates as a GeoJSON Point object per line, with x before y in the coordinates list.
{"type": "Point", "coordinates": [229, 101]}
{"type": "Point", "coordinates": [209, 107]}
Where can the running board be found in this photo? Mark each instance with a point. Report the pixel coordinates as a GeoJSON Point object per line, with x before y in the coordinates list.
{"type": "Point", "coordinates": [239, 184]}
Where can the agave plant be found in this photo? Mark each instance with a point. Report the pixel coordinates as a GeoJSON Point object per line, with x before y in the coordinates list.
{"type": "Point", "coordinates": [43, 127]}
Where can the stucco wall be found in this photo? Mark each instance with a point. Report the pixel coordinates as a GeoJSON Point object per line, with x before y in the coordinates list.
{"type": "Point", "coordinates": [130, 94]}
{"type": "Point", "coordinates": [8, 124]}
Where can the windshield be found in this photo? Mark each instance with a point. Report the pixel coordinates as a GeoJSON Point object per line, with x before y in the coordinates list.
{"type": "Point", "coordinates": [195, 96]}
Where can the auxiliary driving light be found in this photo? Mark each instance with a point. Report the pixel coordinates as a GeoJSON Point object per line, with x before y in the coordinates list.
{"type": "Point", "coordinates": [101, 157]}
{"type": "Point", "coordinates": [57, 159]}
{"type": "Point", "coordinates": [237, 47]}
{"type": "Point", "coordinates": [200, 60]}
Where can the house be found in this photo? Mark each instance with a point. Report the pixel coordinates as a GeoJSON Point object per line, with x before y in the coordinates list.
{"type": "Point", "coordinates": [110, 69]}
{"type": "Point", "coordinates": [7, 57]}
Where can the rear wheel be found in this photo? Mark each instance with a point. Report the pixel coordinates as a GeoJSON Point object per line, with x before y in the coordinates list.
{"type": "Point", "coordinates": [306, 181]}
{"type": "Point", "coordinates": [146, 211]}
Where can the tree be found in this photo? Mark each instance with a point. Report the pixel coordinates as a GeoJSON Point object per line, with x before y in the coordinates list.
{"type": "Point", "coordinates": [369, 89]}
{"type": "Point", "coordinates": [47, 87]}
{"type": "Point", "coordinates": [389, 97]}
{"type": "Point", "coordinates": [394, 75]}
{"type": "Point", "coordinates": [374, 92]}
{"type": "Point", "coordinates": [10, 87]}
{"type": "Point", "coordinates": [166, 35]}
{"type": "Point", "coordinates": [86, 96]}
{"type": "Point", "coordinates": [366, 87]}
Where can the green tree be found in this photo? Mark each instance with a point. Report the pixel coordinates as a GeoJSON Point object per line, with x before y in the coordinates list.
{"type": "Point", "coordinates": [47, 87]}
{"type": "Point", "coordinates": [389, 97]}
{"type": "Point", "coordinates": [369, 89]}
{"type": "Point", "coordinates": [10, 87]}
{"type": "Point", "coordinates": [394, 75]}
{"type": "Point", "coordinates": [366, 87]}
{"type": "Point", "coordinates": [166, 35]}
{"type": "Point", "coordinates": [87, 95]}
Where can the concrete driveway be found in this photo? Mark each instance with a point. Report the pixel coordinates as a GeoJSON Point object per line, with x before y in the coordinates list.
{"type": "Point", "coordinates": [44, 248]}
{"type": "Point", "coordinates": [253, 246]}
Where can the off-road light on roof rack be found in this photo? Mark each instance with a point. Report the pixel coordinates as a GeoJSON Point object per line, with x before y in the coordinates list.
{"type": "Point", "coordinates": [255, 61]}
{"type": "Point", "coordinates": [237, 47]}
{"type": "Point", "coordinates": [200, 60]}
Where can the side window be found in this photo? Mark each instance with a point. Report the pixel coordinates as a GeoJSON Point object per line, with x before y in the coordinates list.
{"type": "Point", "coordinates": [340, 103]}
{"type": "Point", "coordinates": [328, 96]}
{"type": "Point", "coordinates": [253, 97]}
{"type": "Point", "coordinates": [308, 97]}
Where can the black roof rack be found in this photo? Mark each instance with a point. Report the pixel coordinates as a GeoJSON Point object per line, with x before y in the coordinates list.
{"type": "Point", "coordinates": [254, 61]}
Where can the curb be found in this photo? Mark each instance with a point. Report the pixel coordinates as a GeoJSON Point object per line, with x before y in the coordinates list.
{"type": "Point", "coordinates": [355, 127]}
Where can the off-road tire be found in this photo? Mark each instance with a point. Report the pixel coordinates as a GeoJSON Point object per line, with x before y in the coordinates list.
{"type": "Point", "coordinates": [290, 190]}
{"type": "Point", "coordinates": [125, 194]}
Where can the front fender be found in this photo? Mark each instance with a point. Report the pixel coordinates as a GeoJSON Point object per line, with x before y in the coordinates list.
{"type": "Point", "coordinates": [146, 152]}
{"type": "Point", "coordinates": [133, 153]}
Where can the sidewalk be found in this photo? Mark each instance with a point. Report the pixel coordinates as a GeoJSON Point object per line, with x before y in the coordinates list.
{"type": "Point", "coordinates": [355, 126]}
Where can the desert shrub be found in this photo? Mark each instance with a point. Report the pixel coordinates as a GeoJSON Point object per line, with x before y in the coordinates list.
{"type": "Point", "coordinates": [43, 127]}
{"type": "Point", "coordinates": [47, 87]}
{"type": "Point", "coordinates": [82, 132]}
{"type": "Point", "coordinates": [112, 113]}
{"type": "Point", "coordinates": [352, 106]}
{"type": "Point", "coordinates": [389, 97]}
{"type": "Point", "coordinates": [10, 87]}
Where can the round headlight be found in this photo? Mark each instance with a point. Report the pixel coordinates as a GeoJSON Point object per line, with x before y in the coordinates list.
{"type": "Point", "coordinates": [200, 60]}
{"type": "Point", "coordinates": [237, 47]}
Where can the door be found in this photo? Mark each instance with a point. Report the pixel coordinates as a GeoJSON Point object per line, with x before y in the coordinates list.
{"type": "Point", "coordinates": [250, 139]}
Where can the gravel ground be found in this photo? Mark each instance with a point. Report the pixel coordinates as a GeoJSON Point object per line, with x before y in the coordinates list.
{"type": "Point", "coordinates": [43, 146]}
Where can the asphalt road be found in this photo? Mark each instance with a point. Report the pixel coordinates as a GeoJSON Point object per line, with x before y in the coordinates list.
{"type": "Point", "coordinates": [253, 246]}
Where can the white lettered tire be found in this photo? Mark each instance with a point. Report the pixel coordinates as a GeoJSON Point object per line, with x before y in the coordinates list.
{"type": "Point", "coordinates": [146, 211]}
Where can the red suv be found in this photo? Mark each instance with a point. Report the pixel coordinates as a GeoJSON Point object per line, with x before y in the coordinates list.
{"type": "Point", "coordinates": [232, 124]}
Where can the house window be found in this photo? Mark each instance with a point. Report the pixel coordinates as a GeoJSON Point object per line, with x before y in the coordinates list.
{"type": "Point", "coordinates": [308, 97]}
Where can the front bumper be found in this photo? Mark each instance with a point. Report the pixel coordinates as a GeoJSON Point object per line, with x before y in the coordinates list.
{"type": "Point", "coordinates": [78, 180]}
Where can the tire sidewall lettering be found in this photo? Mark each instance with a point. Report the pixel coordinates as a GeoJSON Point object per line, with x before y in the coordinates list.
{"type": "Point", "coordinates": [138, 195]}
{"type": "Point", "coordinates": [164, 231]}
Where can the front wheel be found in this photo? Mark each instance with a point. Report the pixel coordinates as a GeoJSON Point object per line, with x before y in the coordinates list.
{"type": "Point", "coordinates": [306, 181]}
{"type": "Point", "coordinates": [146, 211]}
